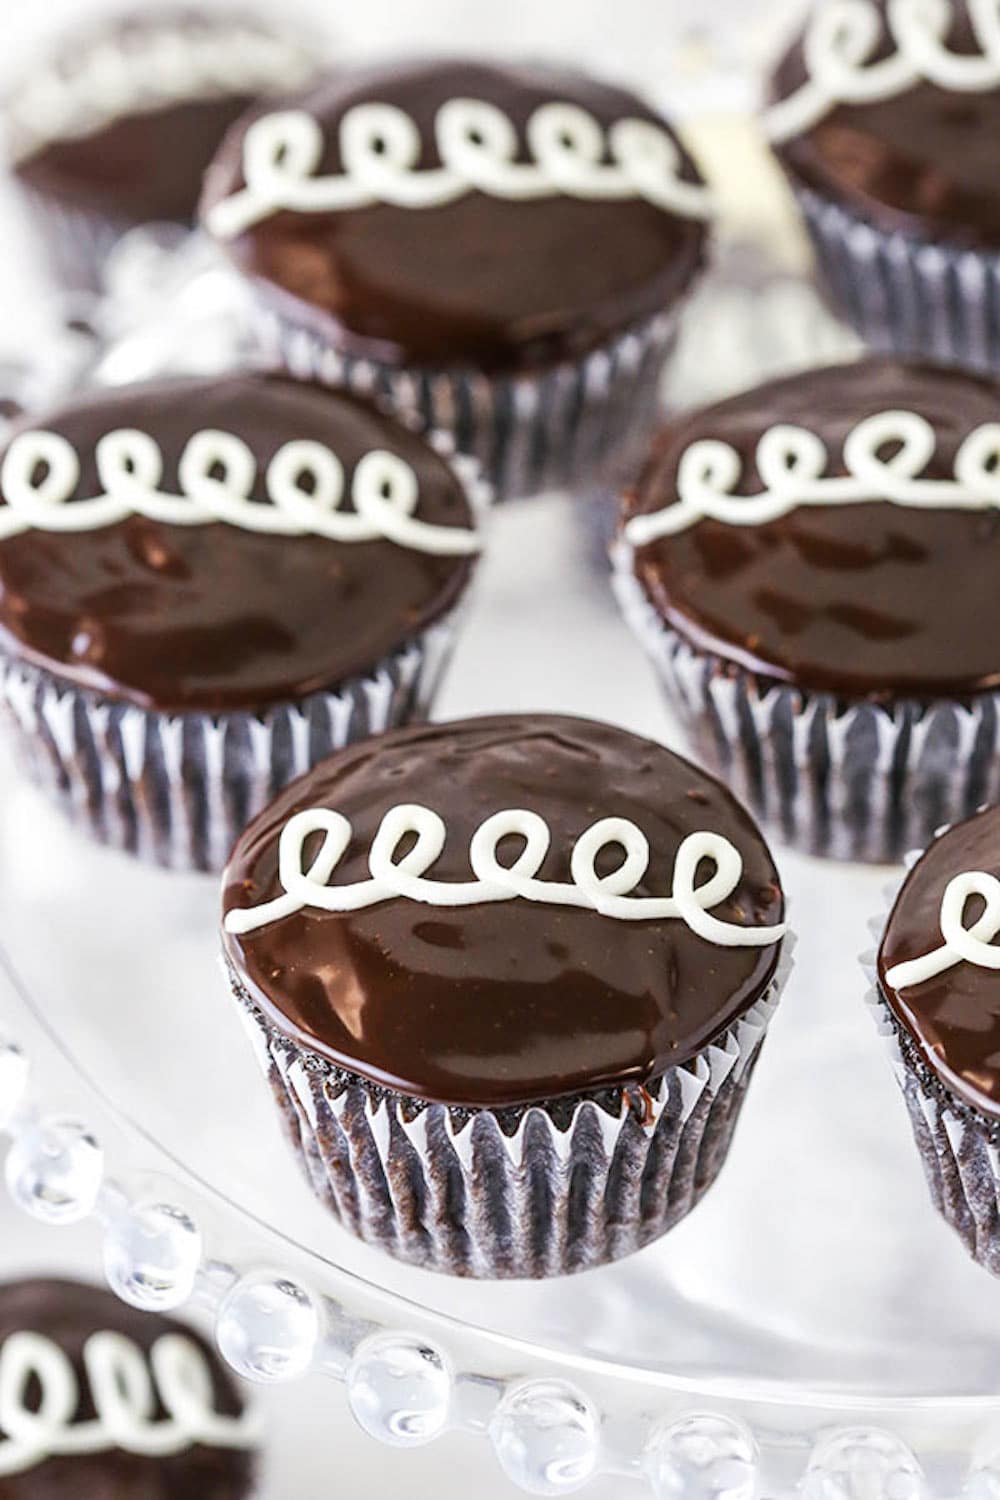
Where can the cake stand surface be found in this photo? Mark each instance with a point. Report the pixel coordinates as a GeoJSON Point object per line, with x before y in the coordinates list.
{"type": "Point", "coordinates": [814, 1290]}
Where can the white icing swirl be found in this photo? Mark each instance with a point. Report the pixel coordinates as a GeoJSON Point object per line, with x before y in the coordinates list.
{"type": "Point", "coordinates": [41, 471]}
{"type": "Point", "coordinates": [380, 149]}
{"type": "Point", "coordinates": [608, 895]}
{"type": "Point", "coordinates": [792, 462]}
{"type": "Point", "coordinates": [124, 1385]}
{"type": "Point", "coordinates": [843, 36]}
{"type": "Point", "coordinates": [971, 945]}
{"type": "Point", "coordinates": [148, 69]}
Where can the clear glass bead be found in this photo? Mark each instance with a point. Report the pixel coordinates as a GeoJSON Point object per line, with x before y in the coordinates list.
{"type": "Point", "coordinates": [862, 1463]}
{"type": "Point", "coordinates": [13, 1080]}
{"type": "Point", "coordinates": [399, 1389]}
{"type": "Point", "coordinates": [54, 1169]}
{"type": "Point", "coordinates": [151, 1256]}
{"type": "Point", "coordinates": [267, 1328]}
{"type": "Point", "coordinates": [701, 1457]}
{"type": "Point", "coordinates": [546, 1436]}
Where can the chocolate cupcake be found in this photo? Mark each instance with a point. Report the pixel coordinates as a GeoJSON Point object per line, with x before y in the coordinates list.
{"type": "Point", "coordinates": [884, 118]}
{"type": "Point", "coordinates": [119, 124]}
{"type": "Point", "coordinates": [503, 249]}
{"type": "Point", "coordinates": [508, 979]}
{"type": "Point", "coordinates": [812, 567]}
{"type": "Point", "coordinates": [97, 1399]}
{"type": "Point", "coordinates": [937, 1000]}
{"type": "Point", "coordinates": [208, 585]}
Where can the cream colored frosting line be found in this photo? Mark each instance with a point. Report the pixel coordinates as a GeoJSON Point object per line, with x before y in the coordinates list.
{"type": "Point", "coordinates": [124, 1385]}
{"type": "Point", "coordinates": [384, 490]}
{"type": "Point", "coordinates": [380, 149]}
{"type": "Point", "coordinates": [792, 462]}
{"type": "Point", "coordinates": [843, 36]}
{"type": "Point", "coordinates": [154, 68]}
{"type": "Point", "coordinates": [971, 945]}
{"type": "Point", "coordinates": [406, 878]}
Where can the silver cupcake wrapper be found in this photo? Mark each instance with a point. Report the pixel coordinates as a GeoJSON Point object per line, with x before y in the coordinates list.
{"type": "Point", "coordinates": [959, 1148]}
{"type": "Point", "coordinates": [77, 241]}
{"type": "Point", "coordinates": [850, 780]}
{"type": "Point", "coordinates": [532, 1191]}
{"type": "Point", "coordinates": [178, 789]}
{"type": "Point", "coordinates": [905, 294]}
{"type": "Point", "coordinates": [584, 422]}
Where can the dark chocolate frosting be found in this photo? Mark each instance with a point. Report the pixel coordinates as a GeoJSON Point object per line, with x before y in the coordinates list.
{"type": "Point", "coordinates": [68, 1313]}
{"type": "Point", "coordinates": [214, 616]}
{"type": "Point", "coordinates": [953, 1020]}
{"type": "Point", "coordinates": [859, 600]}
{"type": "Point", "coordinates": [489, 281]}
{"type": "Point", "coordinates": [510, 1002]}
{"type": "Point", "coordinates": [922, 160]}
{"type": "Point", "coordinates": [143, 164]}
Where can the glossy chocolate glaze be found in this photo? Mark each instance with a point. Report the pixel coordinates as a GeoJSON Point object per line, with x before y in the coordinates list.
{"type": "Point", "coordinates": [68, 1312]}
{"type": "Point", "coordinates": [513, 1002]}
{"type": "Point", "coordinates": [144, 164]}
{"type": "Point", "coordinates": [866, 600]}
{"type": "Point", "coordinates": [488, 281]}
{"type": "Point", "coordinates": [140, 167]}
{"type": "Point", "coordinates": [217, 617]}
{"type": "Point", "coordinates": [923, 161]}
{"type": "Point", "coordinates": [954, 1019]}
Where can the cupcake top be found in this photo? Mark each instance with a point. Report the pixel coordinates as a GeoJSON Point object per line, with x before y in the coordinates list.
{"type": "Point", "coordinates": [503, 910]}
{"type": "Point", "coordinates": [97, 1398]}
{"type": "Point", "coordinates": [454, 212]}
{"type": "Point", "coordinates": [125, 116]}
{"type": "Point", "coordinates": [891, 106]}
{"type": "Point", "coordinates": [939, 963]}
{"type": "Point", "coordinates": [223, 543]}
{"type": "Point", "coordinates": [839, 530]}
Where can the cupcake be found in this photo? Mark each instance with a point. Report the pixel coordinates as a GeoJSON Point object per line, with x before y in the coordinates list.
{"type": "Point", "coordinates": [97, 1399]}
{"type": "Point", "coordinates": [507, 979]}
{"type": "Point", "coordinates": [883, 118]}
{"type": "Point", "coordinates": [118, 126]}
{"type": "Point", "coordinates": [812, 567]}
{"type": "Point", "coordinates": [503, 249]}
{"type": "Point", "coordinates": [937, 1000]}
{"type": "Point", "coordinates": [208, 585]}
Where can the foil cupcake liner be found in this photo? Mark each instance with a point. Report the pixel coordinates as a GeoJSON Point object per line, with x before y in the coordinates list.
{"type": "Point", "coordinates": [904, 294]}
{"type": "Point", "coordinates": [849, 780]}
{"type": "Point", "coordinates": [584, 422]}
{"type": "Point", "coordinates": [958, 1146]}
{"type": "Point", "coordinates": [178, 789]}
{"type": "Point", "coordinates": [525, 1192]}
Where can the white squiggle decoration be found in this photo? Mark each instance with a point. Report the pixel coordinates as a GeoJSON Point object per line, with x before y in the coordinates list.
{"type": "Point", "coordinates": [971, 945]}
{"type": "Point", "coordinates": [41, 470]}
{"type": "Point", "coordinates": [380, 149]}
{"type": "Point", "coordinates": [124, 1384]}
{"type": "Point", "coordinates": [149, 70]}
{"type": "Point", "coordinates": [792, 462]}
{"type": "Point", "coordinates": [607, 894]}
{"type": "Point", "coordinates": [843, 36]}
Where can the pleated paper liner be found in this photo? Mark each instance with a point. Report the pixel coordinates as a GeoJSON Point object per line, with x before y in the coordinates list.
{"type": "Point", "coordinates": [530, 1191]}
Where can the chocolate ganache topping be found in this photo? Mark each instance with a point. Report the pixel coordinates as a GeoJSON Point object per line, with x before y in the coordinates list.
{"type": "Point", "coordinates": [222, 614]}
{"type": "Point", "coordinates": [951, 1018]}
{"type": "Point", "coordinates": [496, 279]}
{"type": "Point", "coordinates": [51, 1332]}
{"type": "Point", "coordinates": [842, 589]}
{"type": "Point", "coordinates": [919, 157]}
{"type": "Point", "coordinates": [126, 117]}
{"type": "Point", "coordinates": [505, 1002]}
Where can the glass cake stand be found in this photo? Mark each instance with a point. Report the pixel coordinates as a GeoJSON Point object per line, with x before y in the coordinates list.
{"type": "Point", "coordinates": [812, 1323]}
